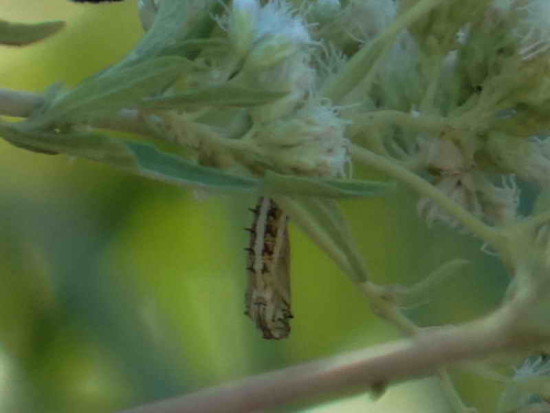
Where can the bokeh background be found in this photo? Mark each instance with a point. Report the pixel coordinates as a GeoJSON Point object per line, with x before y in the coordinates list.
{"type": "Point", "coordinates": [116, 291]}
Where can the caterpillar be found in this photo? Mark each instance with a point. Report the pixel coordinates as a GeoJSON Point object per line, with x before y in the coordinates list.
{"type": "Point", "coordinates": [268, 291]}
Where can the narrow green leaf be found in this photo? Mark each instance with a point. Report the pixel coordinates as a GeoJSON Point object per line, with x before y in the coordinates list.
{"type": "Point", "coordinates": [113, 90]}
{"type": "Point", "coordinates": [87, 145]}
{"type": "Point", "coordinates": [146, 160]}
{"type": "Point", "coordinates": [176, 23]}
{"type": "Point", "coordinates": [138, 158]}
{"type": "Point", "coordinates": [222, 95]}
{"type": "Point", "coordinates": [21, 34]}
{"type": "Point", "coordinates": [322, 220]}
{"type": "Point", "coordinates": [324, 187]}
{"type": "Point", "coordinates": [172, 169]}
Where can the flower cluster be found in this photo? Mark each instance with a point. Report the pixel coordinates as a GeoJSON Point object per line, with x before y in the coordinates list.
{"type": "Point", "coordinates": [472, 77]}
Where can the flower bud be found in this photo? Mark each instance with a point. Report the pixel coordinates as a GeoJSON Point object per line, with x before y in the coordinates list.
{"type": "Point", "coordinates": [527, 158]}
{"type": "Point", "coordinates": [241, 25]}
{"type": "Point", "coordinates": [458, 187]}
{"type": "Point", "coordinates": [323, 12]}
{"type": "Point", "coordinates": [359, 22]}
{"type": "Point", "coordinates": [276, 43]}
{"type": "Point", "coordinates": [309, 142]}
{"type": "Point", "coordinates": [459, 178]}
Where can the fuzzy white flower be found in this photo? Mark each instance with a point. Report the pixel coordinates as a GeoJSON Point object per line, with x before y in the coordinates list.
{"type": "Point", "coordinates": [534, 27]}
{"type": "Point", "coordinates": [362, 20]}
{"type": "Point", "coordinates": [523, 393]}
{"type": "Point", "coordinates": [277, 18]}
{"type": "Point", "coordinates": [537, 165]}
{"type": "Point", "coordinates": [249, 24]}
{"type": "Point", "coordinates": [309, 142]}
{"type": "Point", "coordinates": [460, 180]}
{"type": "Point", "coordinates": [461, 189]}
{"type": "Point", "coordinates": [529, 159]}
{"type": "Point", "coordinates": [499, 201]}
{"type": "Point", "coordinates": [274, 43]}
{"type": "Point", "coordinates": [533, 366]}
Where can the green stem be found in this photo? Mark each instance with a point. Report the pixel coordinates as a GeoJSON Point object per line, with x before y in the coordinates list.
{"type": "Point", "coordinates": [386, 308]}
{"type": "Point", "coordinates": [531, 223]}
{"type": "Point", "coordinates": [452, 394]}
{"type": "Point", "coordinates": [431, 124]}
{"type": "Point", "coordinates": [434, 70]}
{"type": "Point", "coordinates": [488, 234]}
{"type": "Point", "coordinates": [362, 62]}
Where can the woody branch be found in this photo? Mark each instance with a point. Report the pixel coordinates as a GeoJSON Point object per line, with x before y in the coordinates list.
{"type": "Point", "coordinates": [354, 372]}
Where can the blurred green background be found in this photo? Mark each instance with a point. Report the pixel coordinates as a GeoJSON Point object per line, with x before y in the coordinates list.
{"type": "Point", "coordinates": [116, 291]}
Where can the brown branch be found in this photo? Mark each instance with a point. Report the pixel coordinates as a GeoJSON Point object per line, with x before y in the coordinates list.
{"type": "Point", "coordinates": [352, 373]}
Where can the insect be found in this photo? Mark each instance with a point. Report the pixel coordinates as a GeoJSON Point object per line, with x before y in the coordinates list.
{"type": "Point", "coordinates": [268, 291]}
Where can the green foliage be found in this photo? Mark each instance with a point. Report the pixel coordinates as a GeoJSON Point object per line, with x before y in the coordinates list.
{"type": "Point", "coordinates": [176, 28]}
{"type": "Point", "coordinates": [108, 92]}
{"type": "Point", "coordinates": [252, 110]}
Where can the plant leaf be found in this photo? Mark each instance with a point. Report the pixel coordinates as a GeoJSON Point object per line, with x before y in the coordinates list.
{"type": "Point", "coordinates": [21, 34]}
{"type": "Point", "coordinates": [89, 145]}
{"type": "Point", "coordinates": [138, 158]}
{"type": "Point", "coordinates": [173, 169]}
{"type": "Point", "coordinates": [222, 95]}
{"type": "Point", "coordinates": [326, 187]}
{"type": "Point", "coordinates": [146, 160]}
{"type": "Point", "coordinates": [176, 22]}
{"type": "Point", "coordinates": [113, 90]}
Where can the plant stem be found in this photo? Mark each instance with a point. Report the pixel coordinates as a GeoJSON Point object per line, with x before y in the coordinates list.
{"type": "Point", "coordinates": [352, 372]}
{"type": "Point", "coordinates": [427, 123]}
{"type": "Point", "coordinates": [21, 105]}
{"type": "Point", "coordinates": [532, 222]}
{"type": "Point", "coordinates": [362, 62]}
{"type": "Point", "coordinates": [485, 232]}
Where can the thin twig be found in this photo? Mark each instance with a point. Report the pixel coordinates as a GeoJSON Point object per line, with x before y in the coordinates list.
{"type": "Point", "coordinates": [488, 234]}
